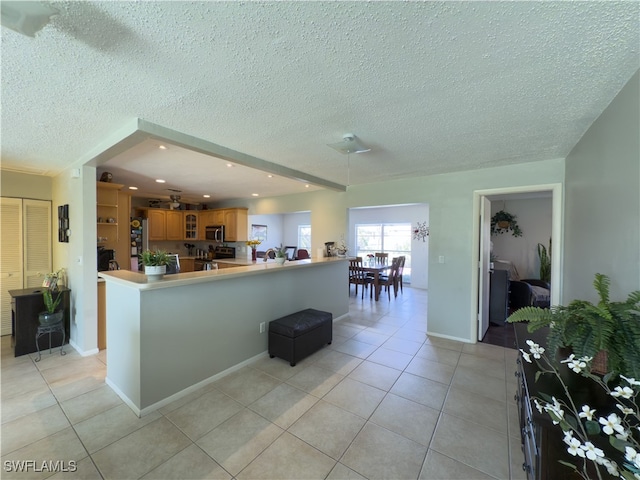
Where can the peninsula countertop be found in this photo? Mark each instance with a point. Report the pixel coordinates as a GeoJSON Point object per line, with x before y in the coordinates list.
{"type": "Point", "coordinates": [244, 268]}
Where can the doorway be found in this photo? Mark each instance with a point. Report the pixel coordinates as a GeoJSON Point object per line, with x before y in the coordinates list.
{"type": "Point", "coordinates": [480, 264]}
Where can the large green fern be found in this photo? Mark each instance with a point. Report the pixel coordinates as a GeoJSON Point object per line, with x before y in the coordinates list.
{"type": "Point", "coordinates": [589, 328]}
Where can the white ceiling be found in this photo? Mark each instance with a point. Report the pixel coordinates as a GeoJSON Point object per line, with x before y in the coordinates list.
{"type": "Point", "coordinates": [431, 87]}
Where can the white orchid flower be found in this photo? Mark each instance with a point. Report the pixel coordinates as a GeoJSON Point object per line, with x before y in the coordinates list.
{"type": "Point", "coordinates": [591, 451]}
{"type": "Point", "coordinates": [586, 412]}
{"type": "Point", "coordinates": [611, 424]}
{"type": "Point", "coordinates": [625, 392]}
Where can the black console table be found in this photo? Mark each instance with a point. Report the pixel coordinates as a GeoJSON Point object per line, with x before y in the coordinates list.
{"type": "Point", "coordinates": [26, 305]}
{"type": "Point", "coordinates": [541, 440]}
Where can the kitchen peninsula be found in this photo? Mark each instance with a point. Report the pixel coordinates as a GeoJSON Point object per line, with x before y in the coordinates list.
{"type": "Point", "coordinates": [170, 337]}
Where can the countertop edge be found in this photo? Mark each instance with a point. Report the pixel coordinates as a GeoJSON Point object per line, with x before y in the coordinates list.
{"type": "Point", "coordinates": [139, 280]}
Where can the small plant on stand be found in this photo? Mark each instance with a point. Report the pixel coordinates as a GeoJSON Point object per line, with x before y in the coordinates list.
{"type": "Point", "coordinates": [155, 263]}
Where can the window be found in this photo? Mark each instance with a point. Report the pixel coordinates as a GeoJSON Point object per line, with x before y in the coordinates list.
{"type": "Point", "coordinates": [304, 237]}
{"type": "Point", "coordinates": [391, 238]}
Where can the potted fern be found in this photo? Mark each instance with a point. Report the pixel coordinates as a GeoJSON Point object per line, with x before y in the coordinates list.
{"type": "Point", "coordinates": [503, 222]}
{"type": "Point", "coordinates": [608, 332]}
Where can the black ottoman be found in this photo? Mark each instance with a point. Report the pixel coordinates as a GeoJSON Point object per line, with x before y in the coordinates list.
{"type": "Point", "coordinates": [298, 335]}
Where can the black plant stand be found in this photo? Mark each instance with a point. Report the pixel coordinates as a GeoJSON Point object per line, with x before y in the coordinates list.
{"type": "Point", "coordinates": [49, 329]}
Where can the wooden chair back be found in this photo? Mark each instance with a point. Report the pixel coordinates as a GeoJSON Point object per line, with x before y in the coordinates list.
{"type": "Point", "coordinates": [381, 258]}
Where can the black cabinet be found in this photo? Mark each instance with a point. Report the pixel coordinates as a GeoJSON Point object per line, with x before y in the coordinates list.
{"type": "Point", "coordinates": [26, 305]}
{"type": "Point", "coordinates": [542, 442]}
{"type": "Point", "coordinates": [498, 296]}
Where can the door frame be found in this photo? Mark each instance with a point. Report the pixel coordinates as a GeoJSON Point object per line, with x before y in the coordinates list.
{"type": "Point", "coordinates": [556, 233]}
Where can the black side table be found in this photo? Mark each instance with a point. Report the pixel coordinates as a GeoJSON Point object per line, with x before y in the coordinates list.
{"type": "Point", "coordinates": [49, 329]}
{"type": "Point", "coordinates": [26, 305]}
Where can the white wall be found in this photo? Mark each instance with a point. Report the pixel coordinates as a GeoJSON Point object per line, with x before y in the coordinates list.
{"type": "Point", "coordinates": [290, 227]}
{"type": "Point", "coordinates": [397, 214]}
{"type": "Point", "coordinates": [602, 228]}
{"type": "Point", "coordinates": [450, 200]}
{"type": "Point", "coordinates": [534, 219]}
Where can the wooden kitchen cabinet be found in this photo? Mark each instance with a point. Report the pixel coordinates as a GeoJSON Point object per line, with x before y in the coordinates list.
{"type": "Point", "coordinates": [191, 226]}
{"type": "Point", "coordinates": [157, 226]}
{"type": "Point", "coordinates": [174, 224]}
{"type": "Point", "coordinates": [187, 265]}
{"type": "Point", "coordinates": [206, 218]}
{"type": "Point", "coordinates": [107, 213]}
{"type": "Point", "coordinates": [235, 224]}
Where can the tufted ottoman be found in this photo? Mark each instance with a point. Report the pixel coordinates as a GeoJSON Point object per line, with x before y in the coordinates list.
{"type": "Point", "coordinates": [298, 335]}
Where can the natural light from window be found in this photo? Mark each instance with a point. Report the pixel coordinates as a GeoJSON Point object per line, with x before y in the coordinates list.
{"type": "Point", "coordinates": [391, 238]}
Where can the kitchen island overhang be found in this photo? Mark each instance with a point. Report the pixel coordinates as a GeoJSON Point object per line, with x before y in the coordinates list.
{"type": "Point", "coordinates": [168, 338]}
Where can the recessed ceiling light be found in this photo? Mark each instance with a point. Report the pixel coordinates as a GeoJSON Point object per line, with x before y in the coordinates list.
{"type": "Point", "coordinates": [159, 180]}
{"type": "Point", "coordinates": [229, 165]}
{"type": "Point", "coordinates": [133, 188]}
{"type": "Point", "coordinates": [255, 194]}
{"type": "Point", "coordinates": [306, 186]}
{"type": "Point", "coordinates": [270, 176]}
{"type": "Point", "coordinates": [206, 196]}
{"type": "Point", "coordinates": [162, 147]}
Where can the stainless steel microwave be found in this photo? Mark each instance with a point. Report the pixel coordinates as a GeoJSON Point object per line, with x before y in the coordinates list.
{"type": "Point", "coordinates": [215, 233]}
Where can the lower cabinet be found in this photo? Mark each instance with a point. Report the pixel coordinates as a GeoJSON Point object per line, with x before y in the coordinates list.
{"type": "Point", "coordinates": [187, 265]}
{"type": "Point", "coordinates": [542, 442]}
{"type": "Point", "coordinates": [102, 316]}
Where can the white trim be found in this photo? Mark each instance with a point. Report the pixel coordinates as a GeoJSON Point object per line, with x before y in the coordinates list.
{"type": "Point", "coordinates": [451, 337]}
{"type": "Point", "coordinates": [75, 346]}
{"type": "Point", "coordinates": [186, 391]}
{"type": "Point", "coordinates": [557, 222]}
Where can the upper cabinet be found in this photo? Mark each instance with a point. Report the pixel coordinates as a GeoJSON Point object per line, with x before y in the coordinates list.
{"type": "Point", "coordinates": [157, 224]}
{"type": "Point", "coordinates": [235, 224]}
{"type": "Point", "coordinates": [191, 225]}
{"type": "Point", "coordinates": [175, 224]}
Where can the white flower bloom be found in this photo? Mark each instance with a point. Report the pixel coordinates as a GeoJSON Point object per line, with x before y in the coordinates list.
{"type": "Point", "coordinates": [556, 409]}
{"type": "Point", "coordinates": [526, 356]}
{"type": "Point", "coordinates": [538, 404]}
{"type": "Point", "coordinates": [611, 423]}
{"type": "Point", "coordinates": [591, 451]}
{"type": "Point", "coordinates": [586, 359]}
{"type": "Point", "coordinates": [612, 467]}
{"type": "Point", "coordinates": [625, 410]}
{"type": "Point", "coordinates": [586, 412]}
{"type": "Point", "coordinates": [625, 392]}
{"type": "Point", "coordinates": [630, 453]}
{"type": "Point", "coordinates": [568, 436]}
{"type": "Point", "coordinates": [577, 366]}
{"type": "Point", "coordinates": [568, 359]}
{"type": "Point", "coordinates": [535, 349]}
{"type": "Point", "coordinates": [623, 436]}
{"type": "Point", "coordinates": [574, 448]}
{"type": "Point", "coordinates": [631, 381]}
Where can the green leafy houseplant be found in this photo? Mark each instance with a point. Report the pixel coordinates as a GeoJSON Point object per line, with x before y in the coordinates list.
{"type": "Point", "coordinates": [50, 304]}
{"type": "Point", "coordinates": [281, 252]}
{"type": "Point", "coordinates": [503, 222]}
{"type": "Point", "coordinates": [545, 262]}
{"type": "Point", "coordinates": [587, 329]}
{"type": "Point", "coordinates": [155, 258]}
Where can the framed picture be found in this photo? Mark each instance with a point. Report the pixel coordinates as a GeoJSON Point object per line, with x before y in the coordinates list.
{"type": "Point", "coordinates": [259, 232]}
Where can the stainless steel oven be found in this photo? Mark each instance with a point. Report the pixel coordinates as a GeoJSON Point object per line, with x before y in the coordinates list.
{"type": "Point", "coordinates": [215, 233]}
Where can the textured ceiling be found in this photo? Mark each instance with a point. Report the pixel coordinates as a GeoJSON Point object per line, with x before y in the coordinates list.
{"type": "Point", "coordinates": [431, 87]}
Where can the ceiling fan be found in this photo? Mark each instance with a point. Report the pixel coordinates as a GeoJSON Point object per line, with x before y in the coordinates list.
{"type": "Point", "coordinates": [349, 144]}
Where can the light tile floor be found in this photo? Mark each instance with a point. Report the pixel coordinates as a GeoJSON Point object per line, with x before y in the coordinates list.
{"type": "Point", "coordinates": [384, 400]}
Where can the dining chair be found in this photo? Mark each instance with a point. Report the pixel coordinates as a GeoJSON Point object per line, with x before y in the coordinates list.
{"type": "Point", "coordinates": [381, 257]}
{"type": "Point", "coordinates": [357, 276]}
{"type": "Point", "coordinates": [401, 259]}
{"type": "Point", "coordinates": [390, 280]}
{"type": "Point", "coordinates": [302, 254]}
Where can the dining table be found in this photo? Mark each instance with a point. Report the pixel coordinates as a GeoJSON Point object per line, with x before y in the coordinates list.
{"type": "Point", "coordinates": [376, 269]}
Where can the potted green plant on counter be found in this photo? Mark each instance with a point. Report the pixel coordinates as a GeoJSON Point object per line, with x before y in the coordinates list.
{"type": "Point", "coordinates": [281, 255]}
{"type": "Point", "coordinates": [155, 263]}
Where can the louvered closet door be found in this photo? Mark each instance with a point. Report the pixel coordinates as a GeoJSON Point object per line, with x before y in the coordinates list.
{"type": "Point", "coordinates": [37, 241]}
{"type": "Point", "coordinates": [10, 256]}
